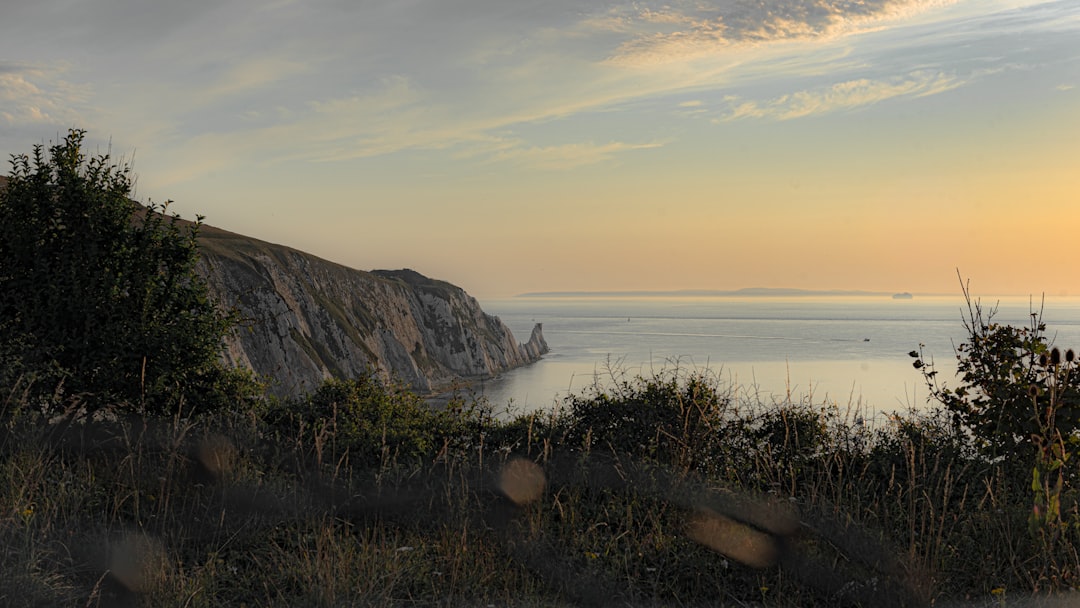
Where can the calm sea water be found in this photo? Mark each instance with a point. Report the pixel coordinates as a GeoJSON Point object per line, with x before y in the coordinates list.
{"type": "Point", "coordinates": [830, 349]}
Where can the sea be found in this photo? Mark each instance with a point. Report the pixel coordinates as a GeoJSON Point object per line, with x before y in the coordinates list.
{"type": "Point", "coordinates": [847, 351]}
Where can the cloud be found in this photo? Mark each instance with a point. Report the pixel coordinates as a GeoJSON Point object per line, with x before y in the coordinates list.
{"type": "Point", "coordinates": [243, 82]}
{"type": "Point", "coordinates": [402, 116]}
{"type": "Point", "coordinates": [93, 27]}
{"type": "Point", "coordinates": [397, 114]}
{"type": "Point", "coordinates": [37, 95]}
{"type": "Point", "coordinates": [250, 76]}
{"type": "Point", "coordinates": [843, 95]}
{"type": "Point", "coordinates": [393, 115]}
{"type": "Point", "coordinates": [566, 156]}
{"type": "Point", "coordinates": [690, 30]}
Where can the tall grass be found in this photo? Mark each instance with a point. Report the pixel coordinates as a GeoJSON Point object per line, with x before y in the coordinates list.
{"type": "Point", "coordinates": [666, 490]}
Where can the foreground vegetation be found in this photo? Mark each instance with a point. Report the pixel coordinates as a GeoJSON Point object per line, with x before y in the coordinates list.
{"type": "Point", "coordinates": [137, 470]}
{"type": "Point", "coordinates": [654, 491]}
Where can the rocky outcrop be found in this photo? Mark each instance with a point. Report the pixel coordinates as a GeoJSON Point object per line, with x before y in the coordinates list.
{"type": "Point", "coordinates": [306, 319]}
{"type": "Point", "coordinates": [537, 346]}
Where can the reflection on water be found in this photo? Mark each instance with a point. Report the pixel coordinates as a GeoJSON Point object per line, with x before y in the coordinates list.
{"type": "Point", "coordinates": [847, 351]}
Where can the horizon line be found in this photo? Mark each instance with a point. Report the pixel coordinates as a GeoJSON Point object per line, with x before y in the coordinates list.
{"type": "Point", "coordinates": [745, 291]}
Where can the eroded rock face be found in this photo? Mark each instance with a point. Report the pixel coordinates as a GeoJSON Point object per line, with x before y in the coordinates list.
{"type": "Point", "coordinates": [306, 319]}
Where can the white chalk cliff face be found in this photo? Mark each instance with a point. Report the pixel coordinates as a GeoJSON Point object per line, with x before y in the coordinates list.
{"type": "Point", "coordinates": [306, 320]}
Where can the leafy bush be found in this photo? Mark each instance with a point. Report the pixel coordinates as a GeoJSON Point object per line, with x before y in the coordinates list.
{"type": "Point", "coordinates": [373, 422]}
{"type": "Point", "coordinates": [99, 296]}
{"type": "Point", "coordinates": [671, 418]}
{"type": "Point", "coordinates": [1019, 401]}
{"type": "Point", "coordinates": [1014, 385]}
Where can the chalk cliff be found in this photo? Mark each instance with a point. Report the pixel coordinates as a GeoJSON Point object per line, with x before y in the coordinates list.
{"type": "Point", "coordinates": [306, 319]}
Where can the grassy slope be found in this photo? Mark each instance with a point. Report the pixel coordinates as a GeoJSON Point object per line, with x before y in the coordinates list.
{"type": "Point", "coordinates": [658, 492]}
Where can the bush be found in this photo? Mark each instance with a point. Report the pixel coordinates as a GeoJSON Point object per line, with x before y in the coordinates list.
{"type": "Point", "coordinates": [1020, 395]}
{"type": "Point", "coordinates": [375, 423]}
{"type": "Point", "coordinates": [1014, 386]}
{"type": "Point", "coordinates": [99, 296]}
{"type": "Point", "coordinates": [672, 418]}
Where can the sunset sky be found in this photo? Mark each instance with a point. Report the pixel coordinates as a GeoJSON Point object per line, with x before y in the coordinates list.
{"type": "Point", "coordinates": [511, 146]}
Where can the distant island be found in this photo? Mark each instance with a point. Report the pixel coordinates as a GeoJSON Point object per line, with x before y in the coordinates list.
{"type": "Point", "coordinates": [902, 296]}
{"type": "Point", "coordinates": [691, 293]}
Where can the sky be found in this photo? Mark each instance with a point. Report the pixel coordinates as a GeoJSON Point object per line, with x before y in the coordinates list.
{"type": "Point", "coordinates": [513, 146]}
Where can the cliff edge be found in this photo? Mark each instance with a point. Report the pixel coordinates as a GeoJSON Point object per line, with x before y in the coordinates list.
{"type": "Point", "coordinates": [306, 319]}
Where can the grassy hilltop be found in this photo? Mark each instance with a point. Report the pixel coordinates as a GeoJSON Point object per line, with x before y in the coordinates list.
{"type": "Point", "coordinates": [654, 491]}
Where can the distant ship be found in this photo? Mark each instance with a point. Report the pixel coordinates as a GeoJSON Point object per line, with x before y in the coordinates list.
{"type": "Point", "coordinates": [902, 296]}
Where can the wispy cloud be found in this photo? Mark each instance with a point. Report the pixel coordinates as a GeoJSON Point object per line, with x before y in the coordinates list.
{"type": "Point", "coordinates": [690, 30]}
{"type": "Point", "coordinates": [843, 95]}
{"type": "Point", "coordinates": [567, 156]}
{"type": "Point", "coordinates": [487, 80]}
{"type": "Point", "coordinates": [397, 116]}
{"type": "Point", "coordinates": [38, 95]}
{"type": "Point", "coordinates": [251, 75]}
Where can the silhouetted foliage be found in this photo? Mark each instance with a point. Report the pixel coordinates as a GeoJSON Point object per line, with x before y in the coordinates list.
{"type": "Point", "coordinates": [99, 296]}
{"type": "Point", "coordinates": [669, 418]}
{"type": "Point", "coordinates": [1013, 383]}
{"type": "Point", "coordinates": [375, 423]}
{"type": "Point", "coordinates": [1019, 401]}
